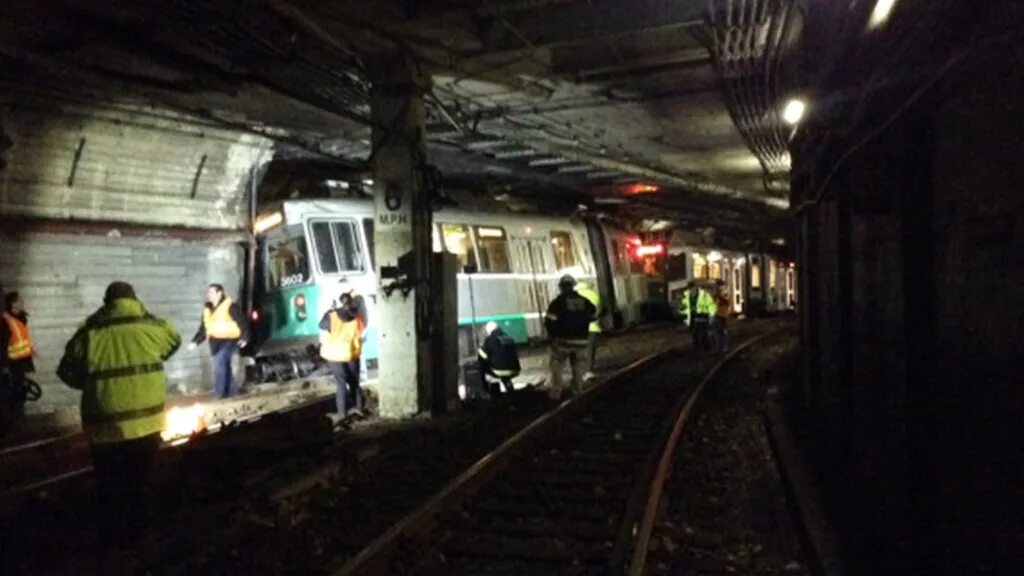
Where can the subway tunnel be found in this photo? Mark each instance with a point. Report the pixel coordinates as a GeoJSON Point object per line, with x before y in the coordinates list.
{"type": "Point", "coordinates": [840, 174]}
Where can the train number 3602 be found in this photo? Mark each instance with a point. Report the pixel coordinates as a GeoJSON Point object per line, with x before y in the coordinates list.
{"type": "Point", "coordinates": [292, 280]}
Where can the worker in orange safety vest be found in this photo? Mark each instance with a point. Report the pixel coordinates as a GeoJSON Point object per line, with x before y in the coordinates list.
{"type": "Point", "coordinates": [18, 340]}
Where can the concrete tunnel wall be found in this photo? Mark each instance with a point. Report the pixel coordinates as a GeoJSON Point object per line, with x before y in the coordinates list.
{"type": "Point", "coordinates": [91, 194]}
{"type": "Point", "coordinates": [912, 274]}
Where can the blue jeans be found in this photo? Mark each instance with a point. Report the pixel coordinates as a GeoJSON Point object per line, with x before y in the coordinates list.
{"type": "Point", "coordinates": [223, 380]}
{"type": "Point", "coordinates": [346, 377]}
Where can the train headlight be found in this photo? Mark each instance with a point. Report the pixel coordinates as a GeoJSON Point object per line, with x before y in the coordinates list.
{"type": "Point", "coordinates": [300, 306]}
{"type": "Point", "coordinates": [266, 222]}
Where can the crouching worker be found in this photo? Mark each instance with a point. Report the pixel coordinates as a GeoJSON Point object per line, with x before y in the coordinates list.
{"type": "Point", "coordinates": [498, 358]}
{"type": "Point", "coordinates": [341, 344]}
{"type": "Point", "coordinates": [116, 358]}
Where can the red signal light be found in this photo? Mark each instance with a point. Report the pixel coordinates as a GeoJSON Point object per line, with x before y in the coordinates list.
{"type": "Point", "coordinates": [300, 301]}
{"type": "Point", "coordinates": [634, 189]}
{"type": "Point", "coordinates": [255, 315]}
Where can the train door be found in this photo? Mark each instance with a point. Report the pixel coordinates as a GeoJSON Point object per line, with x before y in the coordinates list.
{"type": "Point", "coordinates": [531, 254]}
{"type": "Point", "coordinates": [602, 258]}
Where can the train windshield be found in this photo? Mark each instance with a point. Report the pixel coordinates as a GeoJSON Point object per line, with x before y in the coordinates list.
{"type": "Point", "coordinates": [286, 257]}
{"type": "Point", "coordinates": [337, 246]}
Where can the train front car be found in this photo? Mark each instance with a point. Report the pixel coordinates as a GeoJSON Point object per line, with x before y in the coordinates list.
{"type": "Point", "coordinates": [509, 269]}
{"type": "Point", "coordinates": [305, 248]}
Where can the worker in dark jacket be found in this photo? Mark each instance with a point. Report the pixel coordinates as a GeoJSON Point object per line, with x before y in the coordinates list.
{"type": "Point", "coordinates": [117, 360]}
{"type": "Point", "coordinates": [498, 357]}
{"type": "Point", "coordinates": [224, 325]}
{"type": "Point", "coordinates": [723, 309]}
{"type": "Point", "coordinates": [568, 323]}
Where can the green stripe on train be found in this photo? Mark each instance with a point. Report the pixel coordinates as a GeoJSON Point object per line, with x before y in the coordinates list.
{"type": "Point", "coordinates": [513, 324]}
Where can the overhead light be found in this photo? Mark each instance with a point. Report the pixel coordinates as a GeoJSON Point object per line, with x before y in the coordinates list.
{"type": "Point", "coordinates": [264, 223]}
{"type": "Point", "coordinates": [779, 241]}
{"type": "Point", "coordinates": [794, 111]}
{"type": "Point", "coordinates": [367, 181]}
{"type": "Point", "coordinates": [343, 184]}
{"type": "Point", "coordinates": [880, 15]}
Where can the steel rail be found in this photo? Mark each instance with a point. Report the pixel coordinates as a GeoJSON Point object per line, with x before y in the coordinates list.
{"type": "Point", "coordinates": [374, 558]}
{"type": "Point", "coordinates": [654, 494]}
{"type": "Point", "coordinates": [61, 477]}
{"type": "Point", "coordinates": [36, 444]}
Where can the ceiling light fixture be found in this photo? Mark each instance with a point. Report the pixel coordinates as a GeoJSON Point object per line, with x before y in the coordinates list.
{"type": "Point", "coordinates": [794, 111]}
{"type": "Point", "coordinates": [880, 15]}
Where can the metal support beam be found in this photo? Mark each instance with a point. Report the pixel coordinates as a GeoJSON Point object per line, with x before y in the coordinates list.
{"type": "Point", "coordinates": [575, 22]}
{"type": "Point", "coordinates": [401, 234]}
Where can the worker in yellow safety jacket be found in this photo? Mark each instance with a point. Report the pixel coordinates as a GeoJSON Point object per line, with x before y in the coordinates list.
{"type": "Point", "coordinates": [341, 345]}
{"type": "Point", "coordinates": [697, 307]}
{"type": "Point", "coordinates": [224, 325]}
{"type": "Point", "coordinates": [587, 291]}
{"type": "Point", "coordinates": [116, 358]}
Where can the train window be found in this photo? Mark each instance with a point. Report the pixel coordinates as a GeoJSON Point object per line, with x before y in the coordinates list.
{"type": "Point", "coordinates": [286, 257]}
{"type": "Point", "coordinates": [771, 276]}
{"type": "Point", "coordinates": [700, 266]}
{"type": "Point", "coordinates": [337, 246]}
{"type": "Point", "coordinates": [565, 252]}
{"type": "Point", "coordinates": [755, 273]}
{"type": "Point", "coordinates": [492, 245]}
{"type": "Point", "coordinates": [457, 241]}
{"type": "Point", "coordinates": [324, 244]}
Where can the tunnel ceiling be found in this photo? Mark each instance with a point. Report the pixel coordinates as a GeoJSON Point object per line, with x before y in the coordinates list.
{"type": "Point", "coordinates": [617, 103]}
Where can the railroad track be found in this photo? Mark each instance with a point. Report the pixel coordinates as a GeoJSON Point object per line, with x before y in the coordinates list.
{"type": "Point", "coordinates": [573, 493]}
{"type": "Point", "coordinates": [50, 463]}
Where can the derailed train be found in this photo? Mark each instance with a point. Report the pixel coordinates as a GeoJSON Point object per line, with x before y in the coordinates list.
{"type": "Point", "coordinates": [306, 246]}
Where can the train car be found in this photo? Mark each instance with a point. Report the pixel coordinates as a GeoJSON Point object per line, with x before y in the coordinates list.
{"type": "Point", "coordinates": [757, 283]}
{"type": "Point", "coordinates": [511, 266]}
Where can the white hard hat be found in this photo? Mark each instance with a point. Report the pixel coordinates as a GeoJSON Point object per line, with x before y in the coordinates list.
{"type": "Point", "coordinates": [490, 327]}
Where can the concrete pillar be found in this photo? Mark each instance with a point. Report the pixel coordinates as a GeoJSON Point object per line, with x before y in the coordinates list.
{"type": "Point", "coordinates": [402, 232]}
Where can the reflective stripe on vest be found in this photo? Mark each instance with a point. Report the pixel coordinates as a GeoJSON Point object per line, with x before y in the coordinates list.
{"type": "Point", "coordinates": [344, 341]}
{"type": "Point", "coordinates": [20, 345]}
{"type": "Point", "coordinates": [218, 322]}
